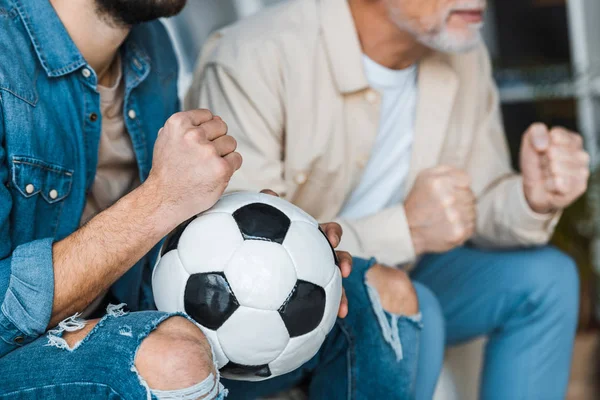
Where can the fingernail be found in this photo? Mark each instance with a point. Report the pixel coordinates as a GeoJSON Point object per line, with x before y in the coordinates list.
{"type": "Point", "coordinates": [540, 138]}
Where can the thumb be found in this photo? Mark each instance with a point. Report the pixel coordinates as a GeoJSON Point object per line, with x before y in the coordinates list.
{"type": "Point", "coordinates": [539, 137]}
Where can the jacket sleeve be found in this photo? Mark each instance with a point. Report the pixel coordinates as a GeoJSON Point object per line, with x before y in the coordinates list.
{"type": "Point", "coordinates": [253, 112]}
{"type": "Point", "coordinates": [26, 274]}
{"type": "Point", "coordinates": [504, 218]}
{"type": "Point", "coordinates": [384, 235]}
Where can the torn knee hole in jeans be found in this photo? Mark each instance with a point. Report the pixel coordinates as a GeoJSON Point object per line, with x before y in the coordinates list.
{"type": "Point", "coordinates": [388, 322]}
{"type": "Point", "coordinates": [75, 323]}
{"type": "Point", "coordinates": [209, 389]}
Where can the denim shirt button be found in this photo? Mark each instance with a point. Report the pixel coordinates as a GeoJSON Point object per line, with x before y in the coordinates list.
{"type": "Point", "coordinates": [93, 117]}
{"type": "Point", "coordinates": [53, 194]}
{"type": "Point", "coordinates": [131, 114]}
{"type": "Point", "coordinates": [86, 73]}
{"type": "Point", "coordinates": [29, 188]}
{"type": "Point", "coordinates": [137, 64]}
{"type": "Point", "coordinates": [19, 339]}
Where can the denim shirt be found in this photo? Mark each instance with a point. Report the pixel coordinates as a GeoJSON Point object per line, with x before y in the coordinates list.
{"type": "Point", "coordinates": [50, 128]}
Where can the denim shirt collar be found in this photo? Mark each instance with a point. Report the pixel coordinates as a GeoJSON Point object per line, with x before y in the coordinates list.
{"type": "Point", "coordinates": [59, 55]}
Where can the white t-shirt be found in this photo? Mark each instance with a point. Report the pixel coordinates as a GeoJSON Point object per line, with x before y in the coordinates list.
{"type": "Point", "coordinates": [382, 183]}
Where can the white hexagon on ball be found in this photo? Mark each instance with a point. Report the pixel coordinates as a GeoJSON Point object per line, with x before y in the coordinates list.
{"type": "Point", "coordinates": [311, 253]}
{"type": "Point", "coordinates": [209, 242]}
{"type": "Point", "coordinates": [261, 275]}
{"type": "Point", "coordinates": [253, 337]}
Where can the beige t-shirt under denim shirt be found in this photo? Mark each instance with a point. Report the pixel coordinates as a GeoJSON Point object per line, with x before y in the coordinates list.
{"type": "Point", "coordinates": [117, 171]}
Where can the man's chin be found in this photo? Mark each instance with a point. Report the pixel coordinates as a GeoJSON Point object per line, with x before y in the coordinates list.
{"type": "Point", "coordinates": [453, 42]}
{"type": "Point", "coordinates": [133, 12]}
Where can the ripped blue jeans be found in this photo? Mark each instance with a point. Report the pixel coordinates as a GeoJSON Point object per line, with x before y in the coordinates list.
{"type": "Point", "coordinates": [370, 354]}
{"type": "Point", "coordinates": [101, 366]}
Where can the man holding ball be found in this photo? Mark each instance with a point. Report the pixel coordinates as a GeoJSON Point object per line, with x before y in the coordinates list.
{"type": "Point", "coordinates": [383, 114]}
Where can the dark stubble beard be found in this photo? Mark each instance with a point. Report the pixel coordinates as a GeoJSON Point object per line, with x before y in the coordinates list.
{"type": "Point", "coordinates": [132, 12]}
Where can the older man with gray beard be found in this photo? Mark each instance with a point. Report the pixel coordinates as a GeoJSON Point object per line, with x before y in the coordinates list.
{"type": "Point", "coordinates": [383, 115]}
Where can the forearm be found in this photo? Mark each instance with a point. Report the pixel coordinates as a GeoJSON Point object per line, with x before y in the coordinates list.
{"type": "Point", "coordinates": [90, 260]}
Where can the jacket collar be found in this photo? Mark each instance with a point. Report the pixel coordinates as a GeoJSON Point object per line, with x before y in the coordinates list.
{"type": "Point", "coordinates": [59, 55]}
{"type": "Point", "coordinates": [342, 45]}
{"type": "Point", "coordinates": [53, 45]}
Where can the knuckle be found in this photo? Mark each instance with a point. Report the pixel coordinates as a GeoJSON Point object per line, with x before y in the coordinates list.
{"type": "Point", "coordinates": [436, 183]}
{"type": "Point", "coordinates": [224, 126]}
{"type": "Point", "coordinates": [458, 233]}
{"type": "Point", "coordinates": [222, 169]}
{"type": "Point", "coordinates": [207, 113]}
{"type": "Point", "coordinates": [176, 119]}
{"type": "Point", "coordinates": [448, 201]}
{"type": "Point", "coordinates": [200, 132]}
{"type": "Point", "coordinates": [585, 157]}
{"type": "Point", "coordinates": [585, 174]}
{"type": "Point", "coordinates": [234, 143]}
{"type": "Point", "coordinates": [210, 151]}
{"type": "Point", "coordinates": [452, 215]}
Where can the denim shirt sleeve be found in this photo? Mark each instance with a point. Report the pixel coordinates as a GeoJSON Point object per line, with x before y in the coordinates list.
{"type": "Point", "coordinates": [26, 275]}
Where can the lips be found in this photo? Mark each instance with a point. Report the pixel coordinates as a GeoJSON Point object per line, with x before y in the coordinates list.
{"type": "Point", "coordinates": [469, 16]}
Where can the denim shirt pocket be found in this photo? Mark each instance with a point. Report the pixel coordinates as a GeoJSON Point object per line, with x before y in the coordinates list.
{"type": "Point", "coordinates": [41, 188]}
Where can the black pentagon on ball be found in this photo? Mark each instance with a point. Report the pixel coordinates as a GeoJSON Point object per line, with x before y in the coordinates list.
{"type": "Point", "coordinates": [208, 299]}
{"type": "Point", "coordinates": [303, 310]}
{"type": "Point", "coordinates": [172, 240]}
{"type": "Point", "coordinates": [246, 371]}
{"type": "Point", "coordinates": [259, 221]}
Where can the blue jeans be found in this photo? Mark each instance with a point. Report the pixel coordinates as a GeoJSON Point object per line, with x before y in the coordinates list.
{"type": "Point", "coordinates": [369, 355]}
{"type": "Point", "coordinates": [524, 301]}
{"type": "Point", "coordinates": [101, 366]}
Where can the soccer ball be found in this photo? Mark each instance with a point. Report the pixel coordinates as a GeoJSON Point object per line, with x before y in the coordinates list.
{"type": "Point", "coordinates": [259, 277]}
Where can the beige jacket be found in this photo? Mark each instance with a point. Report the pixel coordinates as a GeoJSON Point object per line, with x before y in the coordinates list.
{"type": "Point", "coordinates": [290, 84]}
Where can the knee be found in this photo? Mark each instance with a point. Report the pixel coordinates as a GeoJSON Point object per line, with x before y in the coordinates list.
{"type": "Point", "coordinates": [175, 356]}
{"type": "Point", "coordinates": [395, 290]}
{"type": "Point", "coordinates": [551, 277]}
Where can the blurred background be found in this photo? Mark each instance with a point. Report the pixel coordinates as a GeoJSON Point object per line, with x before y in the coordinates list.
{"type": "Point", "coordinates": [546, 56]}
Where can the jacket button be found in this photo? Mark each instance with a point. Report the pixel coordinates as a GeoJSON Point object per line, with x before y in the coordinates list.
{"type": "Point", "coordinates": [29, 188]}
{"type": "Point", "coordinates": [53, 194]}
{"type": "Point", "coordinates": [86, 73]}
{"type": "Point", "coordinates": [131, 114]}
{"type": "Point", "coordinates": [300, 178]}
{"type": "Point", "coordinates": [19, 339]}
{"type": "Point", "coordinates": [371, 97]}
{"type": "Point", "coordinates": [93, 117]}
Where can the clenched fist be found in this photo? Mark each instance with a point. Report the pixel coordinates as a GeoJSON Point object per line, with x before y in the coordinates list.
{"type": "Point", "coordinates": [441, 210]}
{"type": "Point", "coordinates": [555, 168]}
{"type": "Point", "coordinates": [194, 160]}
